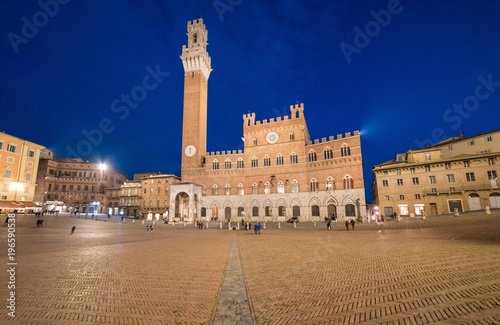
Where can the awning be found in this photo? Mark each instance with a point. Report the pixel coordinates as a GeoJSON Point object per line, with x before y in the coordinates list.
{"type": "Point", "coordinates": [17, 205]}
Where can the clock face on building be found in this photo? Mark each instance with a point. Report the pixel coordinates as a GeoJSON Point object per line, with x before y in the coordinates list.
{"type": "Point", "coordinates": [272, 137]}
{"type": "Point", "coordinates": [190, 151]}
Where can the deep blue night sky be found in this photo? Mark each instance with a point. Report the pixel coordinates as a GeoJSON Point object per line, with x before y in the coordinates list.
{"type": "Point", "coordinates": [401, 86]}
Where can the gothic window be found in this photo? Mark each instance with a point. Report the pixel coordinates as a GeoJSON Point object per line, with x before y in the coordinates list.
{"type": "Point", "coordinates": [267, 188]}
{"type": "Point", "coordinates": [281, 187]}
{"type": "Point", "coordinates": [314, 185]}
{"type": "Point", "coordinates": [241, 189]}
{"type": "Point", "coordinates": [241, 212]}
{"type": "Point", "coordinates": [255, 211]}
{"type": "Point", "coordinates": [269, 211]}
{"type": "Point", "coordinates": [215, 164]}
{"type": "Point", "coordinates": [328, 153]}
{"type": "Point", "coordinates": [240, 164]}
{"type": "Point", "coordinates": [295, 187]}
{"type": "Point", "coordinates": [281, 211]}
{"type": "Point", "coordinates": [255, 188]}
{"type": "Point", "coordinates": [292, 136]}
{"type": "Point", "coordinates": [227, 189]}
{"type": "Point", "coordinates": [267, 161]}
{"type": "Point", "coordinates": [293, 158]}
{"type": "Point", "coordinates": [254, 142]}
{"type": "Point", "coordinates": [329, 184]}
{"type": "Point", "coordinates": [227, 164]}
{"type": "Point", "coordinates": [350, 210]}
{"type": "Point", "coordinates": [255, 162]}
{"type": "Point", "coordinates": [312, 156]}
{"type": "Point", "coordinates": [279, 160]}
{"type": "Point", "coordinates": [348, 182]}
{"type": "Point", "coordinates": [345, 150]}
{"type": "Point", "coordinates": [315, 210]}
{"type": "Point", "coordinates": [215, 190]}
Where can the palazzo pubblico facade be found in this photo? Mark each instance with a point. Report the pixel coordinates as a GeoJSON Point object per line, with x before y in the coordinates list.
{"type": "Point", "coordinates": [280, 173]}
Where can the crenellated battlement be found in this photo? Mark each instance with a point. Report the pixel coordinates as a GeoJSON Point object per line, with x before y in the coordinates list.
{"type": "Point", "coordinates": [215, 154]}
{"type": "Point", "coordinates": [332, 138]}
{"type": "Point", "coordinates": [297, 111]}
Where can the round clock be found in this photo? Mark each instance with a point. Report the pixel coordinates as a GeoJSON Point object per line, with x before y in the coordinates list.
{"type": "Point", "coordinates": [190, 151]}
{"type": "Point", "coordinates": [272, 137]}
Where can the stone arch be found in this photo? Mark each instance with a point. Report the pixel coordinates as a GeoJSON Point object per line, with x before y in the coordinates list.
{"type": "Point", "coordinates": [214, 204]}
{"type": "Point", "coordinates": [348, 200]}
{"type": "Point", "coordinates": [296, 201]}
{"type": "Point", "coordinates": [254, 203]}
{"type": "Point", "coordinates": [314, 201]}
{"type": "Point", "coordinates": [267, 203]}
{"type": "Point", "coordinates": [227, 203]}
{"type": "Point", "coordinates": [281, 202]}
{"type": "Point", "coordinates": [331, 200]}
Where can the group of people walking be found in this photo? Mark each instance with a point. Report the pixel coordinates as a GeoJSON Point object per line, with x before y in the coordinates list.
{"type": "Point", "coordinates": [348, 222]}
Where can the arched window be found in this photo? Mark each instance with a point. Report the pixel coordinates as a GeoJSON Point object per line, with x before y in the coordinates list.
{"type": "Point", "coordinates": [269, 211]}
{"type": "Point", "coordinates": [281, 187]}
{"type": "Point", "coordinates": [227, 189]}
{"type": "Point", "coordinates": [350, 210]}
{"type": "Point", "coordinates": [203, 212]}
{"type": "Point", "coordinates": [314, 185]}
{"type": "Point", "coordinates": [215, 164]}
{"type": "Point", "coordinates": [241, 190]}
{"type": "Point", "coordinates": [215, 190]}
{"type": "Point", "coordinates": [255, 188]}
{"type": "Point", "coordinates": [255, 211]}
{"type": "Point", "coordinates": [328, 153]}
{"type": "Point", "coordinates": [255, 162]}
{"type": "Point", "coordinates": [267, 188]}
{"type": "Point", "coordinates": [312, 156]}
{"type": "Point", "coordinates": [329, 183]}
{"type": "Point", "coordinates": [293, 158]}
{"type": "Point", "coordinates": [315, 210]}
{"type": "Point", "coordinates": [296, 211]}
{"type": "Point", "coordinates": [345, 150]}
{"type": "Point", "coordinates": [348, 182]}
{"type": "Point", "coordinates": [279, 160]}
{"type": "Point", "coordinates": [239, 163]}
{"type": "Point", "coordinates": [227, 164]}
{"type": "Point", "coordinates": [295, 187]}
{"type": "Point", "coordinates": [241, 212]}
{"type": "Point", "coordinates": [281, 211]}
{"type": "Point", "coordinates": [267, 161]}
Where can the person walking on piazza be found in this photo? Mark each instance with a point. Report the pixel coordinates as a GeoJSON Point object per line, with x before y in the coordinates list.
{"type": "Point", "coordinates": [255, 228]}
{"type": "Point", "coordinates": [353, 223]}
{"type": "Point", "coordinates": [259, 227]}
{"type": "Point", "coordinates": [72, 230]}
{"type": "Point", "coordinates": [329, 225]}
{"type": "Point", "coordinates": [347, 225]}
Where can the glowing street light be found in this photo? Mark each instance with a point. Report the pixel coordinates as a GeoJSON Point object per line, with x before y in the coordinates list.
{"type": "Point", "coordinates": [103, 167]}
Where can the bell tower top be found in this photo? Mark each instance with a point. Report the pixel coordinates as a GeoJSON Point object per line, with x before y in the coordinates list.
{"type": "Point", "coordinates": [195, 56]}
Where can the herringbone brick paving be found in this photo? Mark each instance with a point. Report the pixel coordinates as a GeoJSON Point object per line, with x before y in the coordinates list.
{"type": "Point", "coordinates": [438, 270]}
{"type": "Point", "coordinates": [445, 270]}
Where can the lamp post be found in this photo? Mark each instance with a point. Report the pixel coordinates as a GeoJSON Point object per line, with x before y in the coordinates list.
{"type": "Point", "coordinates": [102, 167]}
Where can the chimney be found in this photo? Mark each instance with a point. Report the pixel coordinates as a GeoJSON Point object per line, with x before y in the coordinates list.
{"type": "Point", "coordinates": [461, 134]}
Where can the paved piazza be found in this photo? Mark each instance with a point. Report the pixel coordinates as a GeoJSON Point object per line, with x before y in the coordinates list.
{"type": "Point", "coordinates": [439, 270]}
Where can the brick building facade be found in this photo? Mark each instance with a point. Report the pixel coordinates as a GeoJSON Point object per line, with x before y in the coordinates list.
{"type": "Point", "coordinates": [280, 173]}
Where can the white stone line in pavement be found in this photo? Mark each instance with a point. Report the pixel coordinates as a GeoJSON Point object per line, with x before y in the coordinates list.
{"type": "Point", "coordinates": [233, 306]}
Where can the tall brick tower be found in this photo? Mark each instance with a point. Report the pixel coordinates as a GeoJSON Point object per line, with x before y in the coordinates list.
{"type": "Point", "coordinates": [197, 68]}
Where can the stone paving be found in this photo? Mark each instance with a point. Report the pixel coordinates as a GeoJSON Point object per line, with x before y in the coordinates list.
{"type": "Point", "coordinates": [233, 307]}
{"type": "Point", "coordinates": [438, 270]}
